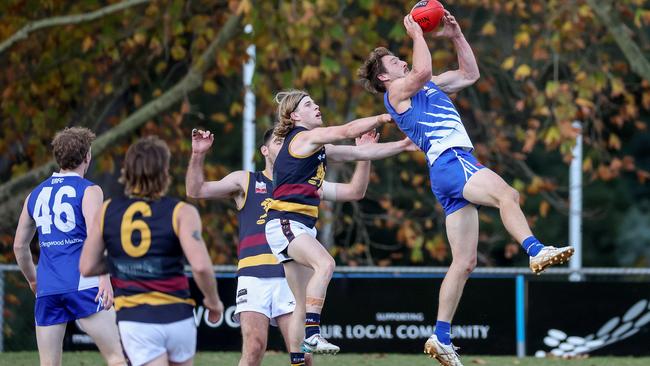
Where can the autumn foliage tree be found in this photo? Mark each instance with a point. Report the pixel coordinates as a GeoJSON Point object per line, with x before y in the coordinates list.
{"type": "Point", "coordinates": [166, 66]}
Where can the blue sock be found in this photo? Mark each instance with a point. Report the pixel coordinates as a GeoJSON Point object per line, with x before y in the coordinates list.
{"type": "Point", "coordinates": [532, 246]}
{"type": "Point", "coordinates": [443, 332]}
{"type": "Point", "coordinates": [297, 358]}
{"type": "Point", "coordinates": [312, 324]}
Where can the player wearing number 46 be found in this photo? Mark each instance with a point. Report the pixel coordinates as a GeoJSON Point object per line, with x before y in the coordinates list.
{"type": "Point", "coordinates": [60, 209]}
{"type": "Point", "coordinates": [146, 235]}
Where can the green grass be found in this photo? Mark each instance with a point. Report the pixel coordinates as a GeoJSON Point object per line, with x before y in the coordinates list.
{"type": "Point", "coordinates": [280, 359]}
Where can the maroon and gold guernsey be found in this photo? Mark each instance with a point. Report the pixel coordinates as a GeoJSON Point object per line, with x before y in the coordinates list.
{"type": "Point", "coordinates": [297, 179]}
{"type": "Point", "coordinates": [255, 256]}
{"type": "Point", "coordinates": [146, 260]}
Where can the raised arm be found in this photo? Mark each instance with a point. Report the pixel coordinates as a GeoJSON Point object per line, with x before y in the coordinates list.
{"type": "Point", "coordinates": [356, 188]}
{"type": "Point", "coordinates": [24, 234]}
{"type": "Point", "coordinates": [468, 72]}
{"type": "Point", "coordinates": [231, 186]}
{"type": "Point", "coordinates": [189, 229]}
{"type": "Point", "coordinates": [403, 89]}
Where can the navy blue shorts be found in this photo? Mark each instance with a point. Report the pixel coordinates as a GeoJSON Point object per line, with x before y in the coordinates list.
{"type": "Point", "coordinates": [449, 174]}
{"type": "Point", "coordinates": [62, 308]}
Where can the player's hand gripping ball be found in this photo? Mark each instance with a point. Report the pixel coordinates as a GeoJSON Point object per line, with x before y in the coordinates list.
{"type": "Point", "coordinates": [428, 14]}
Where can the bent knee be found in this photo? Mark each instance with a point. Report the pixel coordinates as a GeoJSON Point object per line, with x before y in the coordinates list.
{"type": "Point", "coordinates": [325, 267]}
{"type": "Point", "coordinates": [508, 195]}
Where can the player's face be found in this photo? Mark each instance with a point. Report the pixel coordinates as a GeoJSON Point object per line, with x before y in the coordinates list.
{"type": "Point", "coordinates": [308, 113]}
{"type": "Point", "coordinates": [274, 147]}
{"type": "Point", "coordinates": [395, 68]}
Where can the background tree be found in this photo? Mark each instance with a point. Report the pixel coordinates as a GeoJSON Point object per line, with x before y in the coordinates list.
{"type": "Point", "coordinates": [167, 66]}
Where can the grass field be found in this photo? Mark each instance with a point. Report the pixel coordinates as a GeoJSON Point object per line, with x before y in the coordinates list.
{"type": "Point", "coordinates": [279, 359]}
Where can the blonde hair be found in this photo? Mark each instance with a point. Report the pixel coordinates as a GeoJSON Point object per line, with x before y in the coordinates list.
{"type": "Point", "coordinates": [288, 101]}
{"type": "Point", "coordinates": [146, 169]}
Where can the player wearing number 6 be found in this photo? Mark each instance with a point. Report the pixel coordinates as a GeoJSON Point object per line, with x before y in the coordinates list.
{"type": "Point", "coordinates": [146, 236]}
{"type": "Point", "coordinates": [60, 209]}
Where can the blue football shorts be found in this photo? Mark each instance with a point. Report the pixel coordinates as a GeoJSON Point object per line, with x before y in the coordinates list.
{"type": "Point", "coordinates": [449, 174]}
{"type": "Point", "coordinates": [62, 308]}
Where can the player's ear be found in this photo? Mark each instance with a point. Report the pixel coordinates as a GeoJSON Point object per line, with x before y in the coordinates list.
{"type": "Point", "coordinates": [383, 77]}
{"type": "Point", "coordinates": [264, 150]}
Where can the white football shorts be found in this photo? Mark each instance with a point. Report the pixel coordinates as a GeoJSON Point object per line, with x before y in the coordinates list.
{"type": "Point", "coordinates": [280, 232]}
{"type": "Point", "coordinates": [271, 297]}
{"type": "Point", "coordinates": [144, 342]}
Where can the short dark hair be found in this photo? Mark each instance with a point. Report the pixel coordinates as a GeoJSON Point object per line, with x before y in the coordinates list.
{"type": "Point", "coordinates": [268, 134]}
{"type": "Point", "coordinates": [71, 145]}
{"type": "Point", "coordinates": [368, 72]}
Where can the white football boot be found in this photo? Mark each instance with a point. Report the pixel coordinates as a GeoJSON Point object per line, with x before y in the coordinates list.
{"type": "Point", "coordinates": [445, 354]}
{"type": "Point", "coordinates": [549, 256]}
{"type": "Point", "coordinates": [318, 345]}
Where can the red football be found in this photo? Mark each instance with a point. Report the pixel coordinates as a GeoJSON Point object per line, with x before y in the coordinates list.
{"type": "Point", "coordinates": [428, 14]}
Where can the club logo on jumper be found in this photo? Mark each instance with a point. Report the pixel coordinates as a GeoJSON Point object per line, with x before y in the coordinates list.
{"type": "Point", "coordinates": [260, 187]}
{"type": "Point", "coordinates": [321, 156]}
{"type": "Point", "coordinates": [614, 330]}
{"type": "Point", "coordinates": [242, 292]}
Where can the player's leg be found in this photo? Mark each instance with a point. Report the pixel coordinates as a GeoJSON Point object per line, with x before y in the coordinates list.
{"type": "Point", "coordinates": [100, 324]}
{"type": "Point", "coordinates": [284, 322]}
{"type": "Point", "coordinates": [50, 342]}
{"type": "Point", "coordinates": [102, 328]}
{"type": "Point", "coordinates": [306, 250]}
{"type": "Point", "coordinates": [284, 304]}
{"type": "Point", "coordinates": [254, 329]}
{"type": "Point", "coordinates": [462, 233]}
{"type": "Point", "coordinates": [297, 277]}
{"type": "Point", "coordinates": [486, 188]}
{"type": "Point", "coordinates": [51, 317]}
{"type": "Point", "coordinates": [254, 299]}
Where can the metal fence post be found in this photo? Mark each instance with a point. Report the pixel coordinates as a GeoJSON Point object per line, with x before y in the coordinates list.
{"type": "Point", "coordinates": [520, 309]}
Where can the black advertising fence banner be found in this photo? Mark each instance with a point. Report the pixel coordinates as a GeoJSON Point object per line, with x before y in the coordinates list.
{"type": "Point", "coordinates": [596, 318]}
{"type": "Point", "coordinates": [378, 313]}
{"type": "Point", "coordinates": [398, 315]}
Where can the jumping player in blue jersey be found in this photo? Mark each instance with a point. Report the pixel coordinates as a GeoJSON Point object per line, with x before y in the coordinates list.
{"type": "Point", "coordinates": [263, 296]}
{"type": "Point", "coordinates": [61, 210]}
{"type": "Point", "coordinates": [418, 102]}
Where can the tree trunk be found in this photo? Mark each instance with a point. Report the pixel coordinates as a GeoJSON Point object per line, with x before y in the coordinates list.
{"type": "Point", "coordinates": [621, 33]}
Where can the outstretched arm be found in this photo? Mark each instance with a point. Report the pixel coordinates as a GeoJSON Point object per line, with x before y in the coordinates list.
{"type": "Point", "coordinates": [24, 233]}
{"type": "Point", "coordinates": [231, 186]}
{"type": "Point", "coordinates": [468, 72]}
{"type": "Point", "coordinates": [307, 142]}
{"type": "Point", "coordinates": [342, 153]}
